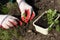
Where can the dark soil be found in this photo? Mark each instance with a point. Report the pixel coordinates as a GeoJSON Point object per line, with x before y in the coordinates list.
{"type": "Point", "coordinates": [43, 21]}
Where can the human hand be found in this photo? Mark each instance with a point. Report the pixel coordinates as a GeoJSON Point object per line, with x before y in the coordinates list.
{"type": "Point", "coordinates": [27, 12]}
{"type": "Point", "coordinates": [7, 21]}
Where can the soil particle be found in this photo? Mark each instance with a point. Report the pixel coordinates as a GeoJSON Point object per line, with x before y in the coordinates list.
{"type": "Point", "coordinates": [57, 5]}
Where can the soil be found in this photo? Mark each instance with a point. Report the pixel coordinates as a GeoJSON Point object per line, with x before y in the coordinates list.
{"type": "Point", "coordinates": [39, 7]}
{"type": "Point", "coordinates": [43, 21]}
{"type": "Point", "coordinates": [54, 35]}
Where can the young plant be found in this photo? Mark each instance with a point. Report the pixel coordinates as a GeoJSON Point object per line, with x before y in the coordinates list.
{"type": "Point", "coordinates": [50, 16]}
{"type": "Point", "coordinates": [57, 23]}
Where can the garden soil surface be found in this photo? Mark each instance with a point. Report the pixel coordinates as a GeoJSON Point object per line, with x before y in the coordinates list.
{"type": "Point", "coordinates": [39, 7]}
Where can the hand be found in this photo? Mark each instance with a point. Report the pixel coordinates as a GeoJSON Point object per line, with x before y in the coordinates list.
{"type": "Point", "coordinates": [27, 12]}
{"type": "Point", "coordinates": [7, 21]}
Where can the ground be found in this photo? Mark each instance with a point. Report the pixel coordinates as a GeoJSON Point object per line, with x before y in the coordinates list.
{"type": "Point", "coordinates": [21, 34]}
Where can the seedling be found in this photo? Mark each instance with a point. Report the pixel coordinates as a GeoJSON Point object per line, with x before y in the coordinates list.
{"type": "Point", "coordinates": [45, 21]}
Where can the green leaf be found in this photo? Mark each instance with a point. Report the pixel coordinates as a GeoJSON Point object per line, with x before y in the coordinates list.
{"type": "Point", "coordinates": [50, 28]}
{"type": "Point", "coordinates": [57, 28]}
{"type": "Point", "coordinates": [54, 13]}
{"type": "Point", "coordinates": [49, 11]}
{"type": "Point", "coordinates": [5, 10]}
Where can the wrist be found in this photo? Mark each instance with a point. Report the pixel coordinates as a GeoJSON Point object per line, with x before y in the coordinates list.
{"type": "Point", "coordinates": [20, 1]}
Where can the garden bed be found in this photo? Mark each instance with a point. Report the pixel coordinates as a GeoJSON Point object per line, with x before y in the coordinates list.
{"type": "Point", "coordinates": [40, 6]}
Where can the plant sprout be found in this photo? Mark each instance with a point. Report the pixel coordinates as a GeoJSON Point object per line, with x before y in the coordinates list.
{"type": "Point", "coordinates": [51, 14]}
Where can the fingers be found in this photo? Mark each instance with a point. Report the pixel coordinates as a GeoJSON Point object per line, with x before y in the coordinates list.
{"type": "Point", "coordinates": [9, 24]}
{"type": "Point", "coordinates": [11, 17]}
{"type": "Point", "coordinates": [32, 15]}
{"type": "Point", "coordinates": [13, 22]}
{"type": "Point", "coordinates": [28, 12]}
{"type": "Point", "coordinates": [26, 16]}
{"type": "Point", "coordinates": [5, 26]}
